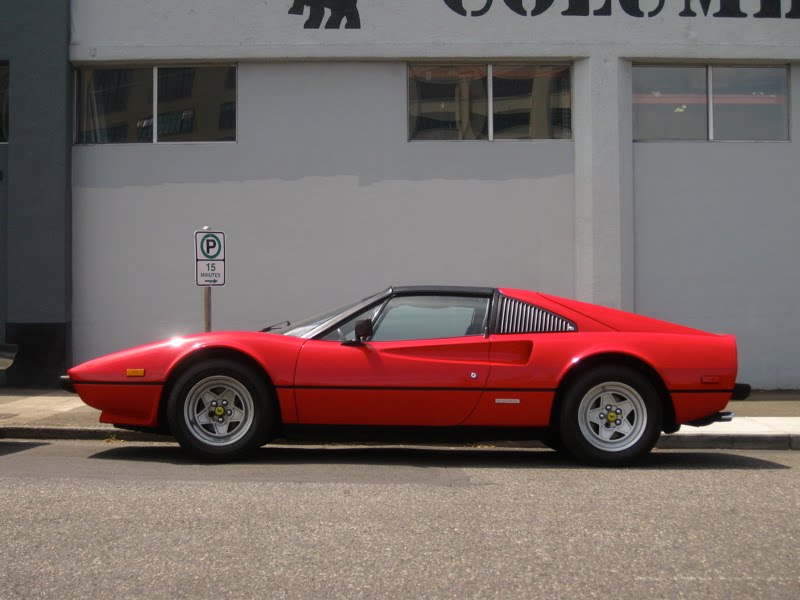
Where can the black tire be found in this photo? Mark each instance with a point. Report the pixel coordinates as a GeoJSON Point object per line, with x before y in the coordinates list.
{"type": "Point", "coordinates": [221, 410]}
{"type": "Point", "coordinates": [552, 440]}
{"type": "Point", "coordinates": [598, 436]}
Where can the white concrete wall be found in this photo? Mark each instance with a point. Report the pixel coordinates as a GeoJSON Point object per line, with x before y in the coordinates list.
{"type": "Point", "coordinates": [323, 198]}
{"type": "Point", "coordinates": [256, 29]}
{"type": "Point", "coordinates": [717, 244]}
{"type": "Point", "coordinates": [323, 201]}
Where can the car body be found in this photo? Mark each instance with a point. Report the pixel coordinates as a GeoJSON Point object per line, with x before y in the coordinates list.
{"type": "Point", "coordinates": [481, 362]}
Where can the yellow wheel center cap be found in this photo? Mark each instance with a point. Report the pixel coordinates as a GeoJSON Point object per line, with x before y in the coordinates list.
{"type": "Point", "coordinates": [612, 417]}
{"type": "Point", "coordinates": [219, 411]}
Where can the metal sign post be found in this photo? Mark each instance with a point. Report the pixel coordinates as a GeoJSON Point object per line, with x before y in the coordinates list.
{"type": "Point", "coordinates": [207, 308]}
{"type": "Point", "coordinates": [209, 254]}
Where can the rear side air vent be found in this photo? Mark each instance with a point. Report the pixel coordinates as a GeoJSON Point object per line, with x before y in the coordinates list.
{"type": "Point", "coordinates": [521, 317]}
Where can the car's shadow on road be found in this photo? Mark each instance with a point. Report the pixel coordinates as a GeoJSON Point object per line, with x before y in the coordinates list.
{"type": "Point", "coordinates": [10, 447]}
{"type": "Point", "coordinates": [445, 457]}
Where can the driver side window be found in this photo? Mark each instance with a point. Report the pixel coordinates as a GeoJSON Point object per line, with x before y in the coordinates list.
{"type": "Point", "coordinates": [421, 318]}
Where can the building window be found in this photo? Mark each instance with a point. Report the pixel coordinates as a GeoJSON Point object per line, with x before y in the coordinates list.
{"type": "Point", "coordinates": [190, 105]}
{"type": "Point", "coordinates": [489, 102]}
{"type": "Point", "coordinates": [116, 105]}
{"type": "Point", "coordinates": [447, 103]}
{"type": "Point", "coordinates": [4, 76]}
{"type": "Point", "coordinates": [750, 103]}
{"type": "Point", "coordinates": [531, 103]}
{"type": "Point", "coordinates": [670, 103]}
{"type": "Point", "coordinates": [112, 104]}
{"type": "Point", "coordinates": [710, 103]}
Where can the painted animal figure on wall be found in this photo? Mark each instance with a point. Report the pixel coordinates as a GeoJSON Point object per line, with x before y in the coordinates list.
{"type": "Point", "coordinates": [341, 10]}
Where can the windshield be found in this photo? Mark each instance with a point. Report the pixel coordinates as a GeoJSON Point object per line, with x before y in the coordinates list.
{"type": "Point", "coordinates": [300, 328]}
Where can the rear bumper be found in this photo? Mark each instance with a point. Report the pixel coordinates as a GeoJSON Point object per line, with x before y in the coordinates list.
{"type": "Point", "coordinates": [741, 391]}
{"type": "Point", "coordinates": [720, 417]}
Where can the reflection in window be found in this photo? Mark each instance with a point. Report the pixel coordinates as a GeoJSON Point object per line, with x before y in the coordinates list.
{"type": "Point", "coordinates": [112, 104]}
{"type": "Point", "coordinates": [4, 77]}
{"type": "Point", "coordinates": [531, 102]}
{"type": "Point", "coordinates": [670, 103]}
{"type": "Point", "coordinates": [227, 116]}
{"type": "Point", "coordinates": [447, 103]}
{"type": "Point", "coordinates": [190, 101]}
{"type": "Point", "coordinates": [511, 102]}
{"type": "Point", "coordinates": [175, 83]}
{"type": "Point", "coordinates": [116, 105]}
{"type": "Point", "coordinates": [176, 122]}
{"type": "Point", "coordinates": [746, 103]}
{"type": "Point", "coordinates": [750, 103]}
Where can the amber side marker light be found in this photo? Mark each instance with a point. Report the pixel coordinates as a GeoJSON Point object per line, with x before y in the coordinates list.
{"type": "Point", "coordinates": [134, 373]}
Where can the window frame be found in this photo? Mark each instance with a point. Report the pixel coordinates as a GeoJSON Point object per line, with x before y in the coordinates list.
{"type": "Point", "coordinates": [384, 299]}
{"type": "Point", "coordinates": [490, 98]}
{"type": "Point", "coordinates": [709, 68]}
{"type": "Point", "coordinates": [153, 103]}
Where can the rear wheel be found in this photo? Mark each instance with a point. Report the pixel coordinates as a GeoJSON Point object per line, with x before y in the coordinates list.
{"type": "Point", "coordinates": [610, 416]}
{"type": "Point", "coordinates": [220, 409]}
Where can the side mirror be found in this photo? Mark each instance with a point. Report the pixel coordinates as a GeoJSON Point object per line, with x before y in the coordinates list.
{"type": "Point", "coordinates": [363, 329]}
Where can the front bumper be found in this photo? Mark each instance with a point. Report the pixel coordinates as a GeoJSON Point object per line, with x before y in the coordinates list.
{"type": "Point", "coordinates": [8, 352]}
{"type": "Point", "coordinates": [66, 384]}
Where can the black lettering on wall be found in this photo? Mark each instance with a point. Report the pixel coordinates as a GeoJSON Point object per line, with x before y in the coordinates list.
{"type": "Point", "coordinates": [727, 8]}
{"type": "Point", "coordinates": [341, 10]}
{"type": "Point", "coordinates": [731, 9]}
{"type": "Point", "coordinates": [605, 10]}
{"type": "Point", "coordinates": [457, 6]}
{"type": "Point", "coordinates": [633, 9]}
{"type": "Point", "coordinates": [538, 8]}
{"type": "Point", "coordinates": [577, 8]}
{"type": "Point", "coordinates": [770, 9]}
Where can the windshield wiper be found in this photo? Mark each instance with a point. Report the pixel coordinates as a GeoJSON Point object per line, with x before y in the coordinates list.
{"type": "Point", "coordinates": [275, 326]}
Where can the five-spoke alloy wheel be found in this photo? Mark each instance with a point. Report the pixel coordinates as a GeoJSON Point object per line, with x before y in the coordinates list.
{"type": "Point", "coordinates": [610, 416]}
{"type": "Point", "coordinates": [220, 409]}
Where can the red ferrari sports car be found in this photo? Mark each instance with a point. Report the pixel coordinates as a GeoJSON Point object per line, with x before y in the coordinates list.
{"type": "Point", "coordinates": [422, 362]}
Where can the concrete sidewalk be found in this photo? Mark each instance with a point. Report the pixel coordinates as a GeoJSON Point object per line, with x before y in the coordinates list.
{"type": "Point", "coordinates": [768, 420]}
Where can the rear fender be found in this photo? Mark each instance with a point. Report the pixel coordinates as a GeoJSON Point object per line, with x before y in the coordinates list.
{"type": "Point", "coordinates": [591, 361]}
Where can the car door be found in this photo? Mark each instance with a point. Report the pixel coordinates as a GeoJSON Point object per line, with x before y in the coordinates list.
{"type": "Point", "coordinates": [530, 346]}
{"type": "Point", "coordinates": [425, 365]}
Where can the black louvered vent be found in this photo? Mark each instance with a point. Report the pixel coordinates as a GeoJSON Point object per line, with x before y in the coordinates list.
{"type": "Point", "coordinates": [521, 317]}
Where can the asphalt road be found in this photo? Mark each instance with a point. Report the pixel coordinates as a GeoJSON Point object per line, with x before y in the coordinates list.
{"type": "Point", "coordinates": [120, 520]}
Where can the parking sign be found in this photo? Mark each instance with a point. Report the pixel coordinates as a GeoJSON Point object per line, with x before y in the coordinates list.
{"type": "Point", "coordinates": [209, 253]}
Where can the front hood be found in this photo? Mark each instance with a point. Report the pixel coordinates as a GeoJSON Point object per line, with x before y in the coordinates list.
{"type": "Point", "coordinates": [151, 363]}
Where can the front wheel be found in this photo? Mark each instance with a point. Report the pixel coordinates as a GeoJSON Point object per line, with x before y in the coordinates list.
{"type": "Point", "coordinates": [220, 409]}
{"type": "Point", "coordinates": [610, 416]}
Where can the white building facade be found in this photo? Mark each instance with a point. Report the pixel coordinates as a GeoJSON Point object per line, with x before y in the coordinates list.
{"type": "Point", "coordinates": [641, 154]}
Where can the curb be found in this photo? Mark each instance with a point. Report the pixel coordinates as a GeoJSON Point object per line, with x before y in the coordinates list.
{"type": "Point", "coordinates": [777, 441]}
{"type": "Point", "coordinates": [700, 441]}
{"type": "Point", "coordinates": [28, 432]}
